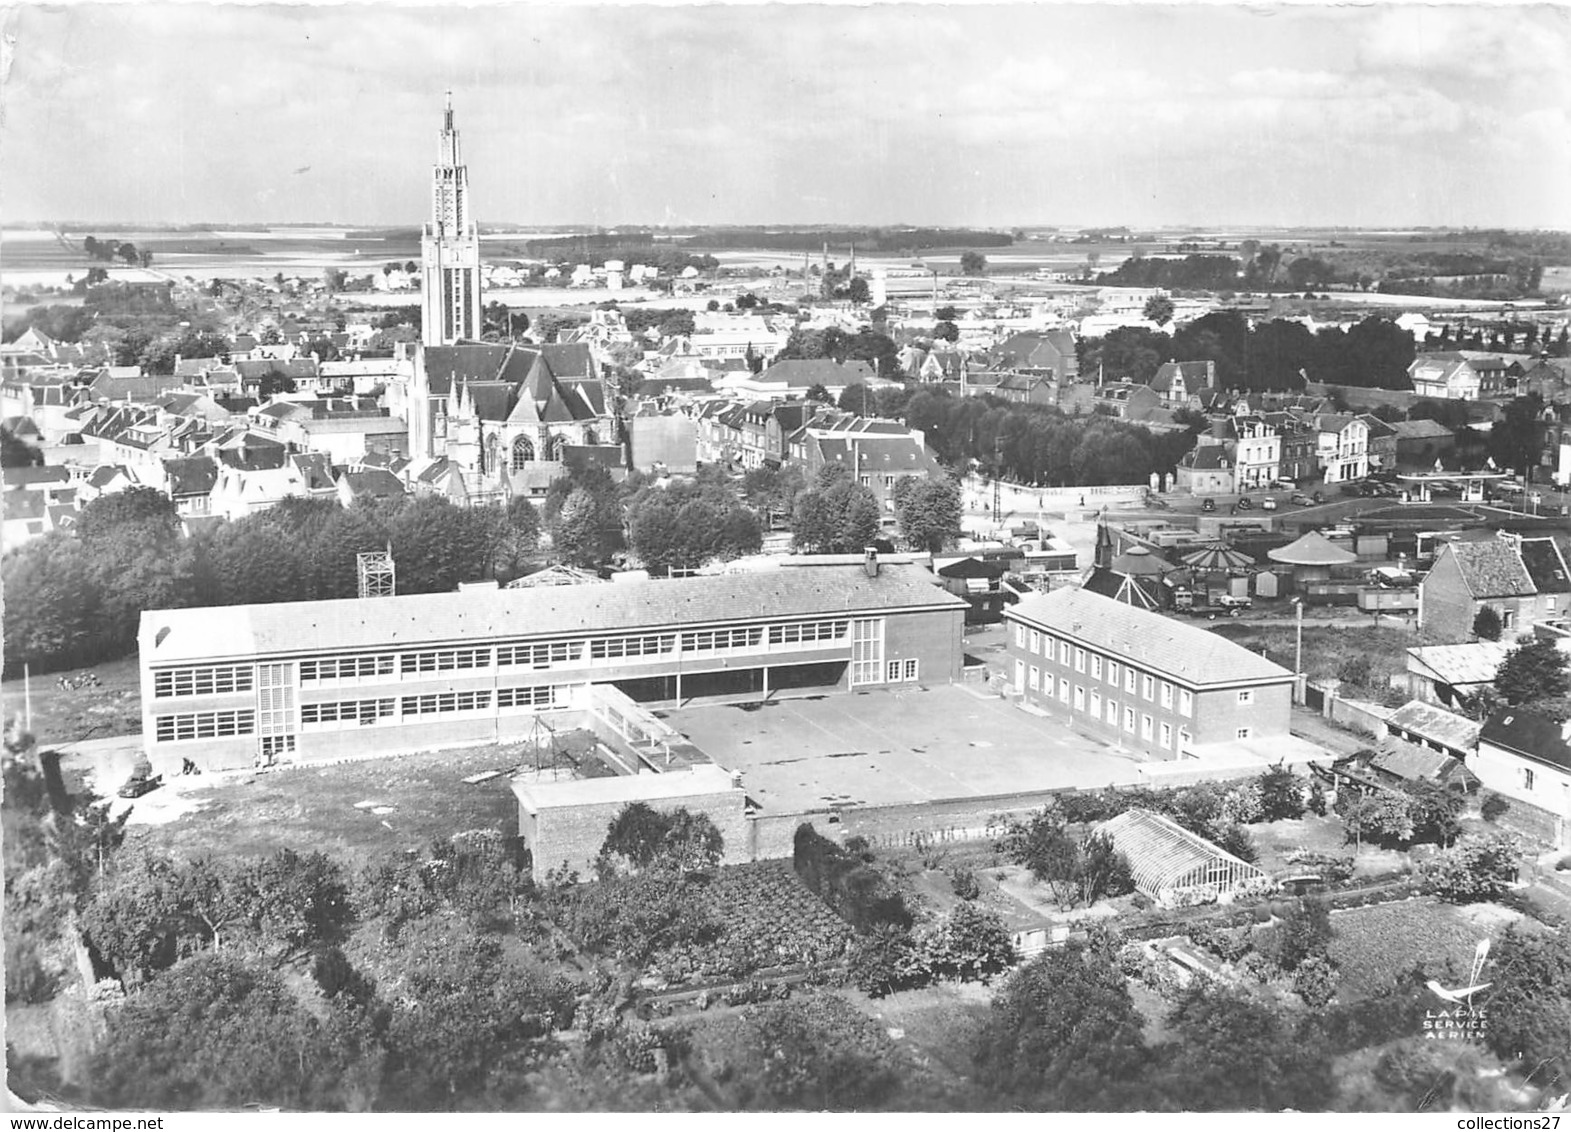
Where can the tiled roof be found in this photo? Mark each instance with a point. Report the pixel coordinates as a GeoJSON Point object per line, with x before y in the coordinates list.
{"type": "Point", "coordinates": [378, 483]}
{"type": "Point", "coordinates": [25, 477]}
{"type": "Point", "coordinates": [1183, 652]}
{"type": "Point", "coordinates": [1491, 568]}
{"type": "Point", "coordinates": [1528, 734]}
{"type": "Point", "coordinates": [194, 475]}
{"type": "Point", "coordinates": [1545, 565]}
{"type": "Point", "coordinates": [806, 372]}
{"type": "Point", "coordinates": [1207, 458]}
{"type": "Point", "coordinates": [422, 619]}
{"type": "Point", "coordinates": [1414, 763]}
{"type": "Point", "coordinates": [1458, 665]}
{"type": "Point", "coordinates": [1420, 430]}
{"type": "Point", "coordinates": [1429, 721]}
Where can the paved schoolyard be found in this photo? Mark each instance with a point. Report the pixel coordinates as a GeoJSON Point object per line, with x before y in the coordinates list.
{"type": "Point", "coordinates": [892, 747]}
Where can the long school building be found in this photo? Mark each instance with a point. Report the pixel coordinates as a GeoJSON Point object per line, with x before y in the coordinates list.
{"type": "Point", "coordinates": [239, 685]}
{"type": "Point", "coordinates": [1141, 680]}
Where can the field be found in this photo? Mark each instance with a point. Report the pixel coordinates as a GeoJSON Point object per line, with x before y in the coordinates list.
{"type": "Point", "coordinates": [1371, 946]}
{"type": "Point", "coordinates": [62, 716]}
{"type": "Point", "coordinates": [1326, 649]}
{"type": "Point", "coordinates": [415, 798]}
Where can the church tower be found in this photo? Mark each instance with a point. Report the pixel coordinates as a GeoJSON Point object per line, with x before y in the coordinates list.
{"type": "Point", "coordinates": [450, 249]}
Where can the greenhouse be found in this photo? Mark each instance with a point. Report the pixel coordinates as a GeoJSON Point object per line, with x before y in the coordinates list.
{"type": "Point", "coordinates": [1172, 865]}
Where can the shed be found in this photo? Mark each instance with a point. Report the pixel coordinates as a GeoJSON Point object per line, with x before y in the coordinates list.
{"type": "Point", "coordinates": [1166, 859]}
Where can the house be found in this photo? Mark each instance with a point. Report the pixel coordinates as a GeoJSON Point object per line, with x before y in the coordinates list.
{"type": "Point", "coordinates": [1550, 378]}
{"type": "Point", "coordinates": [1420, 443]}
{"type": "Point", "coordinates": [791, 379]}
{"type": "Point", "coordinates": [1206, 469]}
{"type": "Point", "coordinates": [1043, 353]}
{"type": "Point", "coordinates": [1341, 446]}
{"type": "Point", "coordinates": [1257, 453]}
{"type": "Point", "coordinates": [1298, 462]}
{"type": "Point", "coordinates": [24, 515]}
{"type": "Point", "coordinates": [369, 483]}
{"type": "Point", "coordinates": [878, 462]}
{"type": "Point", "coordinates": [1382, 441]}
{"type": "Point", "coordinates": [1130, 676]}
{"type": "Point", "coordinates": [189, 482]}
{"type": "Point", "coordinates": [1431, 726]}
{"type": "Point", "coordinates": [1523, 580]}
{"type": "Point", "coordinates": [238, 492]}
{"type": "Point", "coordinates": [437, 475]}
{"type": "Point", "coordinates": [417, 672]}
{"type": "Point", "coordinates": [1126, 400]}
{"type": "Point", "coordinates": [1527, 758]}
{"type": "Point", "coordinates": [1176, 382]}
{"type": "Point", "coordinates": [1444, 377]}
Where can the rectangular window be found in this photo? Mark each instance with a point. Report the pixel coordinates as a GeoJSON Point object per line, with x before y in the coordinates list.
{"type": "Point", "coordinates": [342, 714]}
{"type": "Point", "coordinates": [911, 668]}
{"type": "Point", "coordinates": [1113, 676]}
{"type": "Point", "coordinates": [1063, 689]}
{"type": "Point", "coordinates": [867, 651]}
{"type": "Point", "coordinates": [533, 696]}
{"type": "Point", "coordinates": [1096, 668]}
{"type": "Point", "coordinates": [1167, 695]}
{"type": "Point", "coordinates": [1247, 696]}
{"type": "Point", "coordinates": [1036, 641]}
{"type": "Point", "coordinates": [1527, 778]}
{"type": "Point", "coordinates": [1145, 728]}
{"type": "Point", "coordinates": [1186, 702]}
{"type": "Point", "coordinates": [1243, 733]}
{"type": "Point", "coordinates": [892, 672]}
{"type": "Point", "coordinates": [204, 725]}
{"type": "Point", "coordinates": [806, 631]}
{"type": "Point", "coordinates": [1063, 652]}
{"type": "Point", "coordinates": [1129, 719]}
{"type": "Point", "coordinates": [1080, 698]}
{"type": "Point", "coordinates": [711, 640]}
{"type": "Point", "coordinates": [1112, 712]}
{"type": "Point", "coordinates": [444, 660]}
{"type": "Point", "coordinates": [347, 669]}
{"type": "Point", "coordinates": [615, 648]}
{"type": "Point", "coordinates": [1020, 675]}
{"type": "Point", "coordinates": [541, 655]}
{"type": "Point", "coordinates": [1096, 705]}
{"type": "Point", "coordinates": [1129, 680]}
{"type": "Point", "coordinates": [1080, 660]}
{"type": "Point", "coordinates": [1020, 635]}
{"type": "Point", "coordinates": [209, 681]}
{"type": "Point", "coordinates": [1166, 736]}
{"type": "Point", "coordinates": [1148, 686]}
{"type": "Point", "coordinates": [441, 703]}
{"type": "Point", "coordinates": [1035, 677]}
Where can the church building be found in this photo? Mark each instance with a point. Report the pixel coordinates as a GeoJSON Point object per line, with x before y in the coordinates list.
{"type": "Point", "coordinates": [506, 418]}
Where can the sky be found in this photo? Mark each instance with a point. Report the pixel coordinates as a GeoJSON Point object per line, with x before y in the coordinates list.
{"type": "Point", "coordinates": [1065, 114]}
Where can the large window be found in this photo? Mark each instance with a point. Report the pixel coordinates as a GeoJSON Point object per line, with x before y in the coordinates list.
{"type": "Point", "coordinates": [348, 713]}
{"type": "Point", "coordinates": [1036, 678]}
{"type": "Point", "coordinates": [444, 702]}
{"type": "Point", "coordinates": [1096, 705]}
{"type": "Point", "coordinates": [1080, 660]}
{"type": "Point", "coordinates": [1148, 686]}
{"type": "Point", "coordinates": [1145, 727]}
{"type": "Point", "coordinates": [204, 725]}
{"type": "Point", "coordinates": [327, 669]}
{"type": "Point", "coordinates": [807, 631]}
{"type": "Point", "coordinates": [1036, 641]}
{"type": "Point", "coordinates": [712, 640]}
{"type": "Point", "coordinates": [1186, 702]}
{"type": "Point", "coordinates": [614, 648]}
{"type": "Point", "coordinates": [212, 680]}
{"type": "Point", "coordinates": [1096, 668]}
{"type": "Point", "coordinates": [534, 696]}
{"type": "Point", "coordinates": [1080, 698]}
{"type": "Point", "coordinates": [539, 655]}
{"type": "Point", "coordinates": [444, 660]}
{"type": "Point", "coordinates": [1167, 695]}
{"type": "Point", "coordinates": [1063, 689]}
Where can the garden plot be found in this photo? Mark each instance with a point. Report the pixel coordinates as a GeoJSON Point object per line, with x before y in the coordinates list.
{"type": "Point", "coordinates": [1371, 946]}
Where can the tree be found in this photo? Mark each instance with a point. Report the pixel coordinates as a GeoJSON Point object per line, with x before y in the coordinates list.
{"type": "Point", "coordinates": [946, 331]}
{"type": "Point", "coordinates": [928, 510]}
{"type": "Point", "coordinates": [1281, 794]}
{"type": "Point", "coordinates": [437, 545]}
{"type": "Point", "coordinates": [973, 263]}
{"type": "Point", "coordinates": [1534, 670]}
{"type": "Point", "coordinates": [1482, 867]}
{"type": "Point", "coordinates": [840, 518]}
{"type": "Point", "coordinates": [1063, 1035]}
{"type": "Point", "coordinates": [1530, 1006]}
{"type": "Point", "coordinates": [858, 291]}
{"type": "Point", "coordinates": [110, 516]}
{"type": "Point", "coordinates": [858, 398]}
{"type": "Point", "coordinates": [1486, 624]}
{"type": "Point", "coordinates": [15, 453]}
{"type": "Point", "coordinates": [640, 838]}
{"type": "Point", "coordinates": [969, 943]}
{"type": "Point", "coordinates": [53, 604]}
{"type": "Point", "coordinates": [817, 1053]}
{"type": "Point", "coordinates": [1159, 309]}
{"type": "Point", "coordinates": [1514, 439]}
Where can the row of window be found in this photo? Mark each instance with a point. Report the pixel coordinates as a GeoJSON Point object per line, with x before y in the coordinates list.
{"type": "Point", "coordinates": [337, 715]}
{"type": "Point", "coordinates": [1108, 710]}
{"type": "Point", "coordinates": [901, 671]}
{"type": "Point", "coordinates": [206, 681]}
{"type": "Point", "coordinates": [204, 725]}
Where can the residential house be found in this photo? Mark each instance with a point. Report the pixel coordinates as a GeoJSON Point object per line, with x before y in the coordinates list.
{"type": "Point", "coordinates": [791, 379]}
{"type": "Point", "coordinates": [1420, 443]}
{"type": "Point", "coordinates": [437, 475]}
{"type": "Point", "coordinates": [1341, 446]}
{"type": "Point", "coordinates": [1126, 400]}
{"type": "Point", "coordinates": [879, 462]}
{"type": "Point", "coordinates": [1176, 382]}
{"type": "Point", "coordinates": [1206, 469]}
{"type": "Point", "coordinates": [1550, 378]}
{"type": "Point", "coordinates": [1445, 377]}
{"type": "Point", "coordinates": [106, 479]}
{"type": "Point", "coordinates": [238, 492]}
{"type": "Point", "coordinates": [1382, 442]}
{"type": "Point", "coordinates": [1524, 580]}
{"type": "Point", "coordinates": [1298, 443]}
{"type": "Point", "coordinates": [1257, 453]}
{"type": "Point", "coordinates": [1042, 353]}
{"type": "Point", "coordinates": [189, 482]}
{"type": "Point", "coordinates": [1527, 758]}
{"type": "Point", "coordinates": [369, 483]}
{"type": "Point", "coordinates": [1161, 686]}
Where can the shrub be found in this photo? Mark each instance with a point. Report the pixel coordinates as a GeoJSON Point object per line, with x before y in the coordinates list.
{"type": "Point", "coordinates": [857, 894]}
{"type": "Point", "coordinates": [1235, 839]}
{"type": "Point", "coordinates": [969, 943]}
{"type": "Point", "coordinates": [1355, 669]}
{"type": "Point", "coordinates": [1486, 624]}
{"type": "Point", "coordinates": [1332, 870]}
{"type": "Point", "coordinates": [1315, 981]}
{"type": "Point", "coordinates": [964, 883]}
{"type": "Point", "coordinates": [1281, 794]}
{"type": "Point", "coordinates": [1317, 798]}
{"type": "Point", "coordinates": [1475, 868]}
{"type": "Point", "coordinates": [1494, 808]}
{"type": "Point", "coordinates": [885, 960]}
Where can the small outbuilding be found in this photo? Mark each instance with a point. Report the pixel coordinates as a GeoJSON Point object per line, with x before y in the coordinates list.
{"type": "Point", "coordinates": [1168, 861]}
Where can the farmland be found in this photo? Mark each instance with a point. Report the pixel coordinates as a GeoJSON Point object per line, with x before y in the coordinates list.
{"type": "Point", "coordinates": [1372, 946]}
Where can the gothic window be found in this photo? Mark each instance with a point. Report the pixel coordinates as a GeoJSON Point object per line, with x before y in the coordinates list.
{"type": "Point", "coordinates": [489, 461]}
{"type": "Point", "coordinates": [523, 453]}
{"type": "Point", "coordinates": [554, 447]}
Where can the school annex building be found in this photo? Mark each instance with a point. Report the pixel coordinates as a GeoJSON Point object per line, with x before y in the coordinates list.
{"type": "Point", "coordinates": [238, 686]}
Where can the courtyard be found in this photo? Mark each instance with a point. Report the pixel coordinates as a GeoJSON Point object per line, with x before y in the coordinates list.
{"type": "Point", "coordinates": [879, 748]}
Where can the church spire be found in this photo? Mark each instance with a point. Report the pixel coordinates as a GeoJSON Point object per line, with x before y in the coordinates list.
{"type": "Point", "coordinates": [450, 249]}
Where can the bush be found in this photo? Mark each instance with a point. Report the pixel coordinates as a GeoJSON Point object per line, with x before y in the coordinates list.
{"type": "Point", "coordinates": [857, 894]}
{"type": "Point", "coordinates": [1281, 794]}
{"type": "Point", "coordinates": [885, 960]}
{"type": "Point", "coordinates": [1230, 947]}
{"type": "Point", "coordinates": [964, 883]}
{"type": "Point", "coordinates": [1317, 799]}
{"type": "Point", "coordinates": [1355, 669]}
{"type": "Point", "coordinates": [1315, 981]}
{"type": "Point", "coordinates": [969, 943]}
{"type": "Point", "coordinates": [1494, 808]}
{"type": "Point", "coordinates": [1235, 839]}
{"type": "Point", "coordinates": [1332, 870]}
{"type": "Point", "coordinates": [1475, 868]}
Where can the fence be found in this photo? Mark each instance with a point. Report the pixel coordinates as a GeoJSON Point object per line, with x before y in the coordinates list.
{"type": "Point", "coordinates": [631, 723]}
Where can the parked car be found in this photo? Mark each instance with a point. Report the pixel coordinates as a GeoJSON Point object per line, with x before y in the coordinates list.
{"type": "Point", "coordinates": [1301, 499]}
{"type": "Point", "coordinates": [1232, 605]}
{"type": "Point", "coordinates": [1208, 505]}
{"type": "Point", "coordinates": [136, 786]}
{"type": "Point", "coordinates": [1268, 503]}
{"type": "Point", "coordinates": [1245, 503]}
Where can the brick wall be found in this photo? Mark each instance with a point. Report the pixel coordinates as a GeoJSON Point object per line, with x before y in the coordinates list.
{"type": "Point", "coordinates": [573, 834]}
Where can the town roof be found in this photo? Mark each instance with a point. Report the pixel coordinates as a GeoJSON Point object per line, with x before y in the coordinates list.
{"type": "Point", "coordinates": [1420, 430]}
{"type": "Point", "coordinates": [430, 619]}
{"type": "Point", "coordinates": [1414, 763]}
{"type": "Point", "coordinates": [1490, 568]}
{"type": "Point", "coordinates": [1206, 458]}
{"type": "Point", "coordinates": [1429, 721]}
{"type": "Point", "coordinates": [1528, 734]}
{"type": "Point", "coordinates": [1312, 549]}
{"type": "Point", "coordinates": [1191, 655]}
{"type": "Point", "coordinates": [40, 473]}
{"type": "Point", "coordinates": [1458, 665]}
{"type": "Point", "coordinates": [1122, 587]}
{"type": "Point", "coordinates": [192, 475]}
{"type": "Point", "coordinates": [807, 372]}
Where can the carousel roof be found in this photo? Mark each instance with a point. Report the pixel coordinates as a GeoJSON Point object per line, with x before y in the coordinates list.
{"type": "Point", "coordinates": [1312, 549]}
{"type": "Point", "coordinates": [1218, 556]}
{"type": "Point", "coordinates": [1140, 562]}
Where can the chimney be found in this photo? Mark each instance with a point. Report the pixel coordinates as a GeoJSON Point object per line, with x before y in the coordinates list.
{"type": "Point", "coordinates": [870, 561]}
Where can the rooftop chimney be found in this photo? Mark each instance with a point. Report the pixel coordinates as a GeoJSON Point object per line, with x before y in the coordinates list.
{"type": "Point", "coordinates": [870, 561]}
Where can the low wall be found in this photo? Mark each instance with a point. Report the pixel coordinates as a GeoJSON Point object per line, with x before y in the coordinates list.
{"type": "Point", "coordinates": [1544, 827]}
{"type": "Point", "coordinates": [1358, 715]}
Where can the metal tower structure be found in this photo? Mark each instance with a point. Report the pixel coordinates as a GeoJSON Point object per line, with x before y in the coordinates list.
{"type": "Point", "coordinates": [377, 573]}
